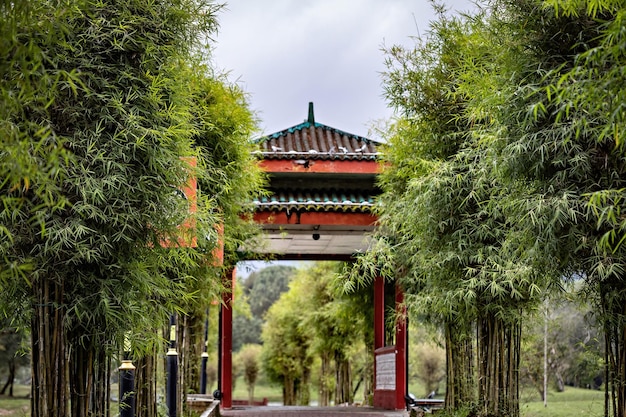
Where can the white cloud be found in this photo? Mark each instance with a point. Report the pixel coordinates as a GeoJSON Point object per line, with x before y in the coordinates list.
{"type": "Point", "coordinates": [286, 53]}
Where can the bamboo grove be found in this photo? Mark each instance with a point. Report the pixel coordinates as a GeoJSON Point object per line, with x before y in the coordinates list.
{"type": "Point", "coordinates": [102, 106]}
{"type": "Point", "coordinates": [504, 177]}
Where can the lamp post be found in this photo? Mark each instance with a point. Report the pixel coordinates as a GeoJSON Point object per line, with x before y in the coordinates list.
{"type": "Point", "coordinates": [185, 238]}
{"type": "Point", "coordinates": [127, 389]}
{"type": "Point", "coordinates": [171, 397]}
{"type": "Point", "coordinates": [205, 356]}
{"type": "Point", "coordinates": [217, 394]}
{"type": "Point", "coordinates": [127, 383]}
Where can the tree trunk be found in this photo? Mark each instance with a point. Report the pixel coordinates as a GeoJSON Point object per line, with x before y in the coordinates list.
{"type": "Point", "coordinates": [49, 364]}
{"type": "Point", "coordinates": [343, 389]}
{"type": "Point", "coordinates": [190, 338]}
{"type": "Point", "coordinates": [459, 366]}
{"type": "Point", "coordinates": [324, 390]}
{"type": "Point", "coordinates": [251, 394]}
{"type": "Point", "coordinates": [368, 377]}
{"type": "Point", "coordinates": [613, 299]}
{"type": "Point", "coordinates": [81, 379]}
{"type": "Point", "coordinates": [289, 395]}
{"type": "Point", "coordinates": [183, 346]}
{"type": "Point", "coordinates": [89, 378]}
{"type": "Point", "coordinates": [498, 346]}
{"type": "Point", "coordinates": [304, 394]}
{"type": "Point", "coordinates": [544, 389]}
{"type": "Point", "coordinates": [146, 383]}
{"type": "Point", "coordinates": [10, 379]}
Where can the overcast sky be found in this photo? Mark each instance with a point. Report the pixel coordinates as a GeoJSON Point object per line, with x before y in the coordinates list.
{"type": "Point", "coordinates": [286, 53]}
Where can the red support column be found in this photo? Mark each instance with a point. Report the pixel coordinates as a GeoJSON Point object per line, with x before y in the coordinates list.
{"type": "Point", "coordinates": [401, 349]}
{"type": "Point", "coordinates": [226, 340]}
{"type": "Point", "coordinates": [383, 394]}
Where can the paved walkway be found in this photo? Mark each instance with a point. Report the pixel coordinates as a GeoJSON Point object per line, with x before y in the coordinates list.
{"type": "Point", "coordinates": [286, 411]}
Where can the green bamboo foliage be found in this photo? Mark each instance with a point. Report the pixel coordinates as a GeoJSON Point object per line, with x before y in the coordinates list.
{"type": "Point", "coordinates": [533, 192]}
{"type": "Point", "coordinates": [99, 111]}
{"type": "Point", "coordinates": [601, 115]}
{"type": "Point", "coordinates": [422, 146]}
{"type": "Point", "coordinates": [565, 144]}
{"type": "Point", "coordinates": [223, 126]}
{"type": "Point", "coordinates": [455, 226]}
{"type": "Point", "coordinates": [504, 177]}
{"type": "Point", "coordinates": [30, 151]}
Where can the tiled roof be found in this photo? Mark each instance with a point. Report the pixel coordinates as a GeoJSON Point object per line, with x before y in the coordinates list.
{"type": "Point", "coordinates": [311, 140]}
{"type": "Point", "coordinates": [322, 200]}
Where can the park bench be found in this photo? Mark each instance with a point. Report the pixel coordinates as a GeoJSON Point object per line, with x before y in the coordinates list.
{"type": "Point", "coordinates": [425, 405]}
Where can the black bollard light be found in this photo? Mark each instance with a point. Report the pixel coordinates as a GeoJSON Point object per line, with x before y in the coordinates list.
{"type": "Point", "coordinates": [171, 397]}
{"type": "Point", "coordinates": [205, 356]}
{"type": "Point", "coordinates": [217, 394]}
{"type": "Point", "coordinates": [127, 389]}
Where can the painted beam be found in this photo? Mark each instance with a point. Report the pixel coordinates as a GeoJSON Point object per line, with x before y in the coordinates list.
{"type": "Point", "coordinates": [315, 218]}
{"type": "Point", "coordinates": [300, 257]}
{"type": "Point", "coordinates": [335, 166]}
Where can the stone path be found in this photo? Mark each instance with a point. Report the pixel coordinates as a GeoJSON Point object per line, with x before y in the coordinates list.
{"type": "Point", "coordinates": [286, 411]}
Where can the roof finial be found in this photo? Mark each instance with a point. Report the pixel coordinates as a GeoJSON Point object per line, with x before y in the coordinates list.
{"type": "Point", "coordinates": [311, 118]}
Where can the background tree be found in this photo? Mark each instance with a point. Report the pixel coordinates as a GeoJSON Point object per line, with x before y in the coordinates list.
{"type": "Point", "coordinates": [472, 253]}
{"type": "Point", "coordinates": [336, 326]}
{"type": "Point", "coordinates": [261, 289]}
{"type": "Point", "coordinates": [551, 148]}
{"type": "Point", "coordinates": [427, 356]}
{"type": "Point", "coordinates": [588, 106]}
{"type": "Point", "coordinates": [12, 354]}
{"type": "Point", "coordinates": [266, 286]}
{"type": "Point", "coordinates": [286, 357]}
{"type": "Point", "coordinates": [316, 314]}
{"type": "Point", "coordinates": [430, 182]}
{"type": "Point", "coordinates": [560, 147]}
{"type": "Point", "coordinates": [574, 344]}
{"type": "Point", "coordinates": [31, 153]}
{"type": "Point", "coordinates": [249, 358]}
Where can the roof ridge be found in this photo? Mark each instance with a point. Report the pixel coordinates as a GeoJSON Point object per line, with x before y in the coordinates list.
{"type": "Point", "coordinates": [306, 124]}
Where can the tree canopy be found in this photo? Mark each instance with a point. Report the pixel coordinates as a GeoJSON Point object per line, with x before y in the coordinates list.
{"type": "Point", "coordinates": [110, 110]}
{"type": "Point", "coordinates": [503, 177]}
{"type": "Point", "coordinates": [316, 322]}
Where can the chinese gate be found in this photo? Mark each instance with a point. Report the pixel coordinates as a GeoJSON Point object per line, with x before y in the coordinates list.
{"type": "Point", "coordinates": [322, 190]}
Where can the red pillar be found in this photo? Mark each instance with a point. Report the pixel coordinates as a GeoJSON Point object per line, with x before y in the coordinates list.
{"type": "Point", "coordinates": [401, 349]}
{"type": "Point", "coordinates": [226, 340]}
{"type": "Point", "coordinates": [383, 394]}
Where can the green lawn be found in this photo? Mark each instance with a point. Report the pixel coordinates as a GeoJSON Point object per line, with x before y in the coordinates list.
{"type": "Point", "coordinates": [273, 393]}
{"type": "Point", "coordinates": [571, 402]}
{"type": "Point", "coordinates": [18, 405]}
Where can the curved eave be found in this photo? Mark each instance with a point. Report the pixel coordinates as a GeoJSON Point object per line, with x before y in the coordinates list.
{"type": "Point", "coordinates": [341, 207]}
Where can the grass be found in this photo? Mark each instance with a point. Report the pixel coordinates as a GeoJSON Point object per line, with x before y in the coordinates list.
{"type": "Point", "coordinates": [571, 402]}
{"type": "Point", "coordinates": [273, 393]}
{"type": "Point", "coordinates": [18, 405]}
